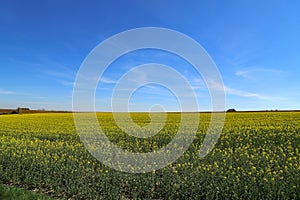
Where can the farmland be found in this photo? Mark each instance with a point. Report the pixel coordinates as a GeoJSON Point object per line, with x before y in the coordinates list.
{"type": "Point", "coordinates": [256, 157]}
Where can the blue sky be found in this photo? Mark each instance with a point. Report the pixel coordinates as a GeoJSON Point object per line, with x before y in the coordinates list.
{"type": "Point", "coordinates": [255, 45]}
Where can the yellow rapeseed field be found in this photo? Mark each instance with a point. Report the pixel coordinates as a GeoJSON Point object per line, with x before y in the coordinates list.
{"type": "Point", "coordinates": [256, 157]}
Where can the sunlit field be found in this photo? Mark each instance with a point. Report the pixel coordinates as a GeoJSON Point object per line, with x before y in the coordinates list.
{"type": "Point", "coordinates": [256, 157]}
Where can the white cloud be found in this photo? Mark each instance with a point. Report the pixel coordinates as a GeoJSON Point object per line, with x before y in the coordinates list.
{"type": "Point", "coordinates": [65, 82]}
{"type": "Point", "coordinates": [6, 92]}
{"type": "Point", "coordinates": [241, 93]}
{"type": "Point", "coordinates": [60, 74]}
{"type": "Point", "coordinates": [246, 73]}
{"type": "Point", "coordinates": [236, 92]}
{"type": "Point", "coordinates": [107, 80]}
{"type": "Point", "coordinates": [198, 84]}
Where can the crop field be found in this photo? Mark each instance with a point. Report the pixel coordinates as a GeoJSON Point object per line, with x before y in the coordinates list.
{"type": "Point", "coordinates": [256, 157]}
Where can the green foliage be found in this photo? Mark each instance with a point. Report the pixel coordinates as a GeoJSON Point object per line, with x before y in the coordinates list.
{"type": "Point", "coordinates": [256, 157]}
{"type": "Point", "coordinates": [11, 193]}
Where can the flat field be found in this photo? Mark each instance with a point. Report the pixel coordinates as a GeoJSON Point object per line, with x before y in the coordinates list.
{"type": "Point", "coordinates": [256, 157]}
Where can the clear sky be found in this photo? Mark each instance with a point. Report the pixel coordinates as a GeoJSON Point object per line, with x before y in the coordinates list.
{"type": "Point", "coordinates": [255, 45]}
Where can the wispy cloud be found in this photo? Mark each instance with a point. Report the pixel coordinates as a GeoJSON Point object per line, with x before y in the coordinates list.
{"type": "Point", "coordinates": [240, 93]}
{"type": "Point", "coordinates": [61, 74]}
{"type": "Point", "coordinates": [107, 80]}
{"type": "Point", "coordinates": [65, 82]}
{"type": "Point", "coordinates": [198, 84]}
{"type": "Point", "coordinates": [247, 73]}
{"type": "Point", "coordinates": [6, 92]}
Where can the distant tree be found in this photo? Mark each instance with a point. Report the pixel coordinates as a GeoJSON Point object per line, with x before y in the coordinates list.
{"type": "Point", "coordinates": [231, 110]}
